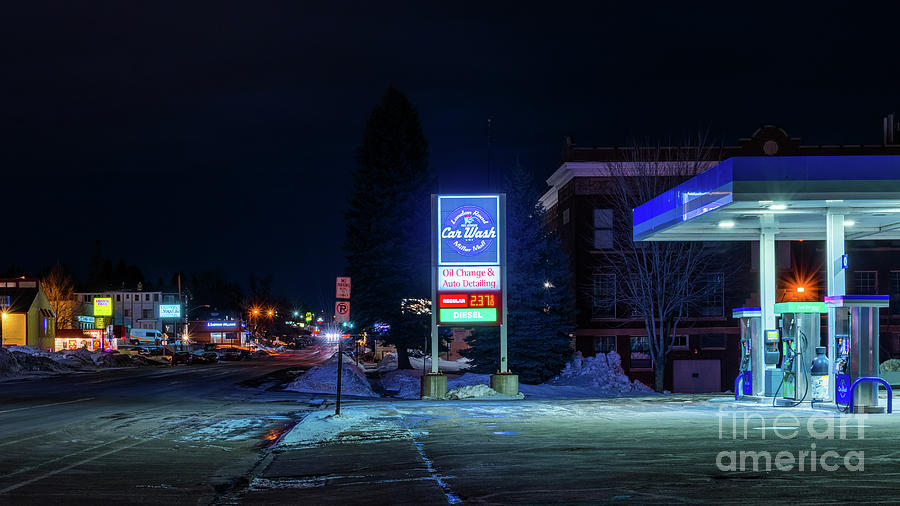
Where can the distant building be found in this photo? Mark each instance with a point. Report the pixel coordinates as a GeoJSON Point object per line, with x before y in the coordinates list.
{"type": "Point", "coordinates": [27, 316]}
{"type": "Point", "coordinates": [220, 332]}
{"type": "Point", "coordinates": [137, 309]}
{"type": "Point", "coordinates": [705, 353]}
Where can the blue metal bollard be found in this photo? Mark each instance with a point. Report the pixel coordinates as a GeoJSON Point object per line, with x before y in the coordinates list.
{"type": "Point", "coordinates": [872, 379]}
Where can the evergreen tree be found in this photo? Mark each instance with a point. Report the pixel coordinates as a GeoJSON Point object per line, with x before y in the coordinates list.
{"type": "Point", "coordinates": [387, 225]}
{"type": "Point", "coordinates": [540, 301]}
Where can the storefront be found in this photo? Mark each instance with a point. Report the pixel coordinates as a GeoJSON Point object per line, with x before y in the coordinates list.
{"type": "Point", "coordinates": [92, 339]}
{"type": "Point", "coordinates": [222, 333]}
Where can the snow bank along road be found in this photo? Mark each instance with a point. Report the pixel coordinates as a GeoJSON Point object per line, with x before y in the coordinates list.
{"type": "Point", "coordinates": [177, 435]}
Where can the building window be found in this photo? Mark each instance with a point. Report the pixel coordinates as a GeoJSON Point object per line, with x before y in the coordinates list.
{"type": "Point", "coordinates": [713, 341]}
{"type": "Point", "coordinates": [127, 313]}
{"type": "Point", "coordinates": [604, 344]}
{"type": "Point", "coordinates": [895, 292]}
{"type": "Point", "coordinates": [216, 337]}
{"type": "Point", "coordinates": [565, 216]}
{"type": "Point", "coordinates": [147, 297]}
{"type": "Point", "coordinates": [713, 286]}
{"type": "Point", "coordinates": [866, 282]}
{"type": "Point", "coordinates": [128, 297]}
{"type": "Point", "coordinates": [155, 297]}
{"type": "Point", "coordinates": [640, 352]}
{"type": "Point", "coordinates": [603, 229]}
{"type": "Point", "coordinates": [604, 296]}
{"type": "Point", "coordinates": [118, 297]}
{"type": "Point", "coordinates": [147, 314]}
{"type": "Point", "coordinates": [680, 342]}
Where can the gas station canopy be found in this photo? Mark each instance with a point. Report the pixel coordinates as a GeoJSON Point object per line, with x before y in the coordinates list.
{"type": "Point", "coordinates": [790, 196]}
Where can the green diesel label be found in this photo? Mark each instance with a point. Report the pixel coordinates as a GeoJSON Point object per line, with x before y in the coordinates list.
{"type": "Point", "coordinates": [464, 315]}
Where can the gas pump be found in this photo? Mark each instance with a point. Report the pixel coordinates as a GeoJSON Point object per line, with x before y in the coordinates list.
{"type": "Point", "coordinates": [771, 356]}
{"type": "Point", "coordinates": [800, 326]}
{"type": "Point", "coordinates": [750, 372]}
{"type": "Point", "coordinates": [855, 346]}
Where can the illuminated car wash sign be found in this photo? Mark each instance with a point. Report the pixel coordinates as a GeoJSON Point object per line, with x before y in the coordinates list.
{"type": "Point", "coordinates": [469, 234]}
{"type": "Point", "coordinates": [170, 310]}
{"type": "Point", "coordinates": [103, 306]}
{"type": "Point", "coordinates": [469, 229]}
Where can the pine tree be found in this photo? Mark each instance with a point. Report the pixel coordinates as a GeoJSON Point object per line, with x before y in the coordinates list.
{"type": "Point", "coordinates": [539, 298]}
{"type": "Point", "coordinates": [387, 225]}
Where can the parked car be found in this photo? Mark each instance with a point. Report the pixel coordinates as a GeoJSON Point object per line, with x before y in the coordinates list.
{"type": "Point", "coordinates": [203, 357]}
{"type": "Point", "coordinates": [234, 354]}
{"type": "Point", "coordinates": [182, 357]}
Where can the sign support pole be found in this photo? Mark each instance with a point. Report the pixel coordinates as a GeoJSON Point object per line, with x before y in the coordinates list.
{"type": "Point", "coordinates": [504, 327]}
{"type": "Point", "coordinates": [435, 361]}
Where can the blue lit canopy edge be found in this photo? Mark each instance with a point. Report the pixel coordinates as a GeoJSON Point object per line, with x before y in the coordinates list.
{"type": "Point", "coordinates": [746, 312]}
{"type": "Point", "coordinates": [858, 301]}
{"type": "Point", "coordinates": [866, 189]}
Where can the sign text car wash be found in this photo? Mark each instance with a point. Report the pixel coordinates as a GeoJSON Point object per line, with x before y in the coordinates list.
{"type": "Point", "coordinates": [469, 249]}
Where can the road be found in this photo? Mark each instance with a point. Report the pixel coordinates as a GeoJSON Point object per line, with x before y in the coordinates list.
{"type": "Point", "coordinates": [179, 435]}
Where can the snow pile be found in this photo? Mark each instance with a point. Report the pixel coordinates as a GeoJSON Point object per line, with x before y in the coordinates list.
{"type": "Point", "coordinates": [322, 379]}
{"type": "Point", "coordinates": [471, 392]}
{"type": "Point", "coordinates": [13, 363]}
{"type": "Point", "coordinates": [601, 374]}
{"type": "Point", "coordinates": [388, 363]}
{"type": "Point", "coordinates": [407, 384]}
{"type": "Point", "coordinates": [892, 365]}
{"type": "Point", "coordinates": [27, 360]}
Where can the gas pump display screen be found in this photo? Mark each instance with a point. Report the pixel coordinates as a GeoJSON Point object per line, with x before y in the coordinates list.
{"type": "Point", "coordinates": [471, 308]}
{"type": "Point", "coordinates": [771, 335]}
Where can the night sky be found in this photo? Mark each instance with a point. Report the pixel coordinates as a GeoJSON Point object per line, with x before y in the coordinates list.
{"type": "Point", "coordinates": [192, 136]}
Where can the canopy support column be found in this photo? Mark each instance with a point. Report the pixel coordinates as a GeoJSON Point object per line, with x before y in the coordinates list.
{"type": "Point", "coordinates": [836, 279]}
{"type": "Point", "coordinates": [766, 287]}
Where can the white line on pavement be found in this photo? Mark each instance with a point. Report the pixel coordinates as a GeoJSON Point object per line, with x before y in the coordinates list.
{"type": "Point", "coordinates": [45, 405]}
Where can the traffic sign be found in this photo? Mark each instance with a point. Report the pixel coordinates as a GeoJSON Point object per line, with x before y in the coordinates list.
{"type": "Point", "coordinates": [341, 311]}
{"type": "Point", "coordinates": [343, 288]}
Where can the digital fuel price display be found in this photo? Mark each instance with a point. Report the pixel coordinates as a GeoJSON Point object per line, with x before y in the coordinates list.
{"type": "Point", "coordinates": [472, 308]}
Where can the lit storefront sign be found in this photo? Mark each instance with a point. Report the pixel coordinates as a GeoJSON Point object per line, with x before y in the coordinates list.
{"type": "Point", "coordinates": [220, 325]}
{"type": "Point", "coordinates": [103, 306]}
{"type": "Point", "coordinates": [85, 319]}
{"type": "Point", "coordinates": [170, 310]}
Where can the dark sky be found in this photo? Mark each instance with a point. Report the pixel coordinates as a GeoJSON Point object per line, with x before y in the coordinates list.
{"type": "Point", "coordinates": [199, 135]}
